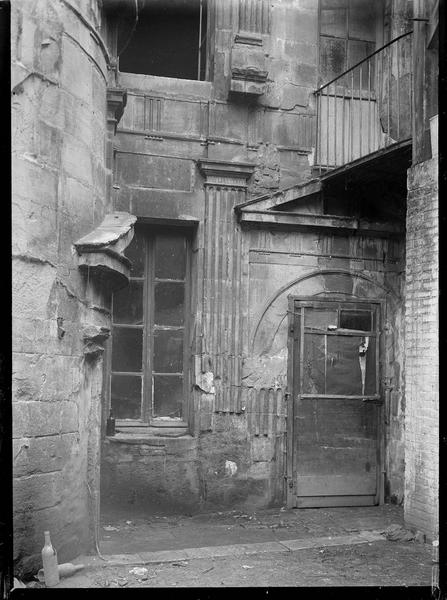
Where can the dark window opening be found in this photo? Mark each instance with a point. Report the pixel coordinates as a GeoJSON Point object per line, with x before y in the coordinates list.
{"type": "Point", "coordinates": [168, 40]}
{"type": "Point", "coordinates": [149, 322]}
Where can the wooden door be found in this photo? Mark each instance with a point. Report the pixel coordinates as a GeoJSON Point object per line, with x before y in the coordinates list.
{"type": "Point", "coordinates": [334, 409]}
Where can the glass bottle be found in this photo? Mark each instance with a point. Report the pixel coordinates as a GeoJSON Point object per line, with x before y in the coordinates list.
{"type": "Point", "coordinates": [49, 560]}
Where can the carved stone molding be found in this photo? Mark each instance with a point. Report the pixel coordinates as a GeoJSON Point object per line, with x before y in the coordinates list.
{"type": "Point", "coordinates": [94, 338]}
{"type": "Point", "coordinates": [116, 102]}
{"type": "Point", "coordinates": [101, 251]}
{"type": "Point", "coordinates": [248, 66]}
{"type": "Point", "coordinates": [224, 173]}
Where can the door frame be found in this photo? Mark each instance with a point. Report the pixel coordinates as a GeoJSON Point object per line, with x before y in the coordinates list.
{"type": "Point", "coordinates": [290, 476]}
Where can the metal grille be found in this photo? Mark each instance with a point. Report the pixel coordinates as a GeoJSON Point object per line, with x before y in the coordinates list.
{"type": "Point", "coordinates": [366, 108]}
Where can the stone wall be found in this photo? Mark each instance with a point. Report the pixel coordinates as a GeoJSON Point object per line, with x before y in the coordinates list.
{"type": "Point", "coordinates": [307, 264]}
{"type": "Point", "coordinates": [170, 129]}
{"type": "Point", "coordinates": [421, 350]}
{"type": "Point", "coordinates": [59, 72]}
{"type": "Point", "coordinates": [156, 473]}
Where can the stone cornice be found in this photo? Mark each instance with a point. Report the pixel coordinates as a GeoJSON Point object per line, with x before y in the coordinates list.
{"type": "Point", "coordinates": [116, 102]}
{"type": "Point", "coordinates": [224, 173]}
{"type": "Point", "coordinates": [100, 252]}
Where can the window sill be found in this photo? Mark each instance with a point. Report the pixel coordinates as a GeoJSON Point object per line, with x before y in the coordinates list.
{"type": "Point", "coordinates": [148, 435]}
{"type": "Point", "coordinates": [165, 85]}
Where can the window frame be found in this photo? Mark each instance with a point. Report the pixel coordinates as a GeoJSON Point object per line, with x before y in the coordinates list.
{"type": "Point", "coordinates": [379, 11]}
{"type": "Point", "coordinates": [146, 418]}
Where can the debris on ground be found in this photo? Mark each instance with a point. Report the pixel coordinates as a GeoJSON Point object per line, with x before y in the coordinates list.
{"type": "Point", "coordinates": [279, 525]}
{"type": "Point", "coordinates": [207, 570]}
{"type": "Point", "coordinates": [64, 570]}
{"type": "Point", "coordinates": [247, 567]}
{"type": "Point", "coordinates": [139, 572]}
{"type": "Point", "coordinates": [181, 563]}
{"type": "Point", "coordinates": [397, 533]}
{"type": "Point", "coordinates": [110, 528]}
{"type": "Point", "coordinates": [35, 585]}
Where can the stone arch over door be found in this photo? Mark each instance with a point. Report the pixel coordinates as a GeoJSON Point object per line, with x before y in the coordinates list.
{"type": "Point", "coordinates": [269, 337]}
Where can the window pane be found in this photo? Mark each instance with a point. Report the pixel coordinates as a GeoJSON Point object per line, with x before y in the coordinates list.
{"type": "Point", "coordinates": [127, 347]}
{"type": "Point", "coordinates": [333, 58]}
{"type": "Point", "coordinates": [169, 303]}
{"type": "Point", "coordinates": [362, 20]}
{"type": "Point", "coordinates": [357, 51]}
{"type": "Point", "coordinates": [168, 395]}
{"type": "Point", "coordinates": [355, 319]}
{"type": "Point", "coordinates": [128, 304]}
{"type": "Point", "coordinates": [333, 21]}
{"type": "Point", "coordinates": [313, 364]}
{"type": "Point", "coordinates": [168, 351]}
{"type": "Point", "coordinates": [170, 257]}
{"type": "Point", "coordinates": [135, 252]}
{"type": "Point", "coordinates": [320, 318]}
{"type": "Point", "coordinates": [126, 396]}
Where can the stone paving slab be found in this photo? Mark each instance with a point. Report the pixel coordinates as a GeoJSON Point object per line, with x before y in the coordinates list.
{"type": "Point", "coordinates": [168, 556]}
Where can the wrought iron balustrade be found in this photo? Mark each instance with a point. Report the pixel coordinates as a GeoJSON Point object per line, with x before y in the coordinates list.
{"type": "Point", "coordinates": [366, 108]}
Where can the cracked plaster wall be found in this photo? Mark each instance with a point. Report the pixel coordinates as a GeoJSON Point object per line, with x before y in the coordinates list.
{"type": "Point", "coordinates": [59, 76]}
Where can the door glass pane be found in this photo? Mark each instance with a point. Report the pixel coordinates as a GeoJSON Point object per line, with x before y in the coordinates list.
{"type": "Point", "coordinates": [126, 396]}
{"type": "Point", "coordinates": [127, 349]}
{"type": "Point", "coordinates": [370, 367]}
{"type": "Point", "coordinates": [128, 304]}
{"type": "Point", "coordinates": [348, 358]}
{"type": "Point", "coordinates": [320, 318]}
{"type": "Point", "coordinates": [169, 301]}
{"type": "Point", "coordinates": [168, 351]}
{"type": "Point", "coordinates": [356, 319]}
{"type": "Point", "coordinates": [168, 395]}
{"type": "Point", "coordinates": [313, 364]}
{"type": "Point", "coordinates": [170, 257]}
{"type": "Point", "coordinates": [136, 253]}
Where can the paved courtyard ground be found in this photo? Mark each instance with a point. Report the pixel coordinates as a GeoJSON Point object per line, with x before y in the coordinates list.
{"type": "Point", "coordinates": [268, 548]}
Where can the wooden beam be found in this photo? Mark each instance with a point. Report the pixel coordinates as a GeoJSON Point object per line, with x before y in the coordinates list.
{"type": "Point", "coordinates": [301, 190]}
{"type": "Point", "coordinates": [281, 218]}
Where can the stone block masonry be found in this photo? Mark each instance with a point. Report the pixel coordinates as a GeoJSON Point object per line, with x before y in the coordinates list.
{"type": "Point", "coordinates": [59, 75]}
{"type": "Point", "coordinates": [421, 350]}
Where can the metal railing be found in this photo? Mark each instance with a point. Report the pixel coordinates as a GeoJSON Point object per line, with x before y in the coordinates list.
{"type": "Point", "coordinates": [366, 108]}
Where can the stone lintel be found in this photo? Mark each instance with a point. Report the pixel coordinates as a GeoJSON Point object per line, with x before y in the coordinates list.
{"type": "Point", "coordinates": [224, 173]}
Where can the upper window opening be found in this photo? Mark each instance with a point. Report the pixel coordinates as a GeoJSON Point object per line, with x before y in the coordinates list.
{"type": "Point", "coordinates": [167, 40]}
{"type": "Point", "coordinates": [347, 34]}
